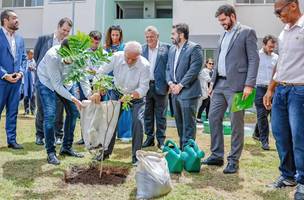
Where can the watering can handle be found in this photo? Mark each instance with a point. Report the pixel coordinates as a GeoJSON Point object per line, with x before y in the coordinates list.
{"type": "Point", "coordinates": [168, 142]}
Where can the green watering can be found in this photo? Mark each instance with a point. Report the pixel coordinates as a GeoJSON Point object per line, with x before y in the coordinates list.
{"type": "Point", "coordinates": [192, 156]}
{"type": "Point", "coordinates": [173, 157]}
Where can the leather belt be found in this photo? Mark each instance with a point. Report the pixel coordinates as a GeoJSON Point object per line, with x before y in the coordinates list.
{"type": "Point", "coordinates": [222, 77]}
{"type": "Point", "coordinates": [291, 84]}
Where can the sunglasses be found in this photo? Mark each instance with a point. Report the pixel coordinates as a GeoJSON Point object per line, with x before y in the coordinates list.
{"type": "Point", "coordinates": [211, 63]}
{"type": "Point", "coordinates": [278, 11]}
{"type": "Point", "coordinates": [97, 38]}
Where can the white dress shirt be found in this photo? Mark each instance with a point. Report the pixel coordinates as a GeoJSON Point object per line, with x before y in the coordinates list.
{"type": "Point", "coordinates": [128, 78]}
{"type": "Point", "coordinates": [177, 53]}
{"type": "Point", "coordinates": [152, 56]}
{"type": "Point", "coordinates": [11, 40]}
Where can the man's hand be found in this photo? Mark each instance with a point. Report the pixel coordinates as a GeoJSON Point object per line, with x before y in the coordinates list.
{"type": "Point", "coordinates": [176, 90]}
{"type": "Point", "coordinates": [135, 95]}
{"type": "Point", "coordinates": [210, 90]}
{"type": "Point", "coordinates": [267, 99]}
{"type": "Point", "coordinates": [95, 98]}
{"type": "Point", "coordinates": [78, 103]}
{"type": "Point", "coordinates": [12, 78]}
{"type": "Point", "coordinates": [246, 92]}
{"type": "Point", "coordinates": [18, 76]}
{"type": "Point", "coordinates": [171, 87]}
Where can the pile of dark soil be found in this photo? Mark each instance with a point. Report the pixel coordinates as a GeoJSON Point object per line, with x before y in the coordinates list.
{"type": "Point", "coordinates": [90, 175]}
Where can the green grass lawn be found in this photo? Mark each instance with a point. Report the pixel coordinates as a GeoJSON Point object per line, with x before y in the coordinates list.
{"type": "Point", "coordinates": [26, 175]}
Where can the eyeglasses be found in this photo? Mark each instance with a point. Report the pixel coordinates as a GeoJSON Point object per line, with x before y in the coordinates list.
{"type": "Point", "coordinates": [278, 11]}
{"type": "Point", "coordinates": [97, 38]}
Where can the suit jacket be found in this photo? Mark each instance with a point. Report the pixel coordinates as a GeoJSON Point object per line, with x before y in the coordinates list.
{"type": "Point", "coordinates": [9, 64]}
{"type": "Point", "coordinates": [44, 43]}
{"type": "Point", "coordinates": [242, 59]}
{"type": "Point", "coordinates": [161, 85]}
{"type": "Point", "coordinates": [188, 67]}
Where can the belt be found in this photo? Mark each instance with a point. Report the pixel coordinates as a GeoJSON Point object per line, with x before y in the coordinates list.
{"type": "Point", "coordinates": [291, 84]}
{"type": "Point", "coordinates": [222, 77]}
{"type": "Point", "coordinates": [262, 85]}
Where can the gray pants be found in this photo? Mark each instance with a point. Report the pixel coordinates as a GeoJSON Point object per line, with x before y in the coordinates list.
{"type": "Point", "coordinates": [221, 99]}
{"type": "Point", "coordinates": [184, 113]}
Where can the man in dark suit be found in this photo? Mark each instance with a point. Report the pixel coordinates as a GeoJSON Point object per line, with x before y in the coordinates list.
{"type": "Point", "coordinates": [184, 64]}
{"type": "Point", "coordinates": [12, 69]}
{"type": "Point", "coordinates": [235, 71]}
{"type": "Point", "coordinates": [43, 44]}
{"type": "Point", "coordinates": [156, 53]}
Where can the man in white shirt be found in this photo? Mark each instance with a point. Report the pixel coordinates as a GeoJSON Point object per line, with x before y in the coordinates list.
{"type": "Point", "coordinates": [268, 61]}
{"type": "Point", "coordinates": [287, 90]}
{"type": "Point", "coordinates": [131, 75]}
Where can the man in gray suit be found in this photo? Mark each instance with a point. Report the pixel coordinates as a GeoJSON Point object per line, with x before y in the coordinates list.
{"type": "Point", "coordinates": [235, 71]}
{"type": "Point", "coordinates": [184, 64]}
{"type": "Point", "coordinates": [156, 53]}
{"type": "Point", "coordinates": [43, 44]}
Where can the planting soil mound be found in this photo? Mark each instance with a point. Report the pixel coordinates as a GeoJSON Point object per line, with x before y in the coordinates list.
{"type": "Point", "coordinates": [90, 175]}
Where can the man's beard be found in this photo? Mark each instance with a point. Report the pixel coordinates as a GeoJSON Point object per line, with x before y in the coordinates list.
{"type": "Point", "coordinates": [175, 41]}
{"type": "Point", "coordinates": [13, 27]}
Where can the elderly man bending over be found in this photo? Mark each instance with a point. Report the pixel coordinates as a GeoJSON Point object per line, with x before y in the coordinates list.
{"type": "Point", "coordinates": [52, 71]}
{"type": "Point", "coordinates": [131, 74]}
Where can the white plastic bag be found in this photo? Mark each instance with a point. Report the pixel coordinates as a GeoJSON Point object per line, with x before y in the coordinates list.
{"type": "Point", "coordinates": [152, 175]}
{"type": "Point", "coordinates": [98, 122]}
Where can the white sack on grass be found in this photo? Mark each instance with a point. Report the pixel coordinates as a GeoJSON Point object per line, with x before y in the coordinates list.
{"type": "Point", "coordinates": [152, 175]}
{"type": "Point", "coordinates": [94, 121]}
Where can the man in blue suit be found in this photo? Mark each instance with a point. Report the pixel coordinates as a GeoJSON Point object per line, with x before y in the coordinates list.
{"type": "Point", "coordinates": [157, 97]}
{"type": "Point", "coordinates": [12, 67]}
{"type": "Point", "coordinates": [184, 64]}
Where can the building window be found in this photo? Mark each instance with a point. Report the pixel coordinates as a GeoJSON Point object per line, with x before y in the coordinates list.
{"type": "Point", "coordinates": [21, 3]}
{"type": "Point", "coordinates": [255, 1]}
{"type": "Point", "coordinates": [143, 9]}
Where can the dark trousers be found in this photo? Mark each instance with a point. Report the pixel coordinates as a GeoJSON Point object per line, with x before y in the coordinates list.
{"type": "Point", "coordinates": [184, 113]}
{"type": "Point", "coordinates": [205, 105]}
{"type": "Point", "coordinates": [9, 98]}
{"type": "Point", "coordinates": [155, 111]}
{"type": "Point", "coordinates": [29, 104]}
{"type": "Point", "coordinates": [137, 109]}
{"type": "Point", "coordinates": [49, 101]}
{"type": "Point", "coordinates": [39, 117]}
{"type": "Point", "coordinates": [171, 105]}
{"type": "Point", "coordinates": [262, 127]}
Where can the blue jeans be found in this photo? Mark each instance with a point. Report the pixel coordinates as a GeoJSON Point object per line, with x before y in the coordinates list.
{"type": "Point", "coordinates": [262, 114]}
{"type": "Point", "coordinates": [48, 101]}
{"type": "Point", "coordinates": [288, 130]}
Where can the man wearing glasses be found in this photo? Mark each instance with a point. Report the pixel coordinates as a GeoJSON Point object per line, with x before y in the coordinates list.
{"type": "Point", "coordinates": [287, 91]}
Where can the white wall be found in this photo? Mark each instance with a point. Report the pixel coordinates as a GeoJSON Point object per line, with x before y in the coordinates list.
{"type": "Point", "coordinates": [84, 15]}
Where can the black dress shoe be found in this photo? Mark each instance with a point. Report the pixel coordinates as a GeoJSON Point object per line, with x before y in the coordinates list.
{"type": "Point", "coordinates": [80, 142]}
{"type": "Point", "coordinates": [231, 168]}
{"type": "Point", "coordinates": [299, 195]}
{"type": "Point", "coordinates": [39, 141]}
{"type": "Point", "coordinates": [52, 159]}
{"type": "Point", "coordinates": [70, 152]}
{"type": "Point", "coordinates": [15, 146]}
{"type": "Point", "coordinates": [282, 182]}
{"type": "Point", "coordinates": [213, 161]}
{"type": "Point", "coordinates": [148, 143]}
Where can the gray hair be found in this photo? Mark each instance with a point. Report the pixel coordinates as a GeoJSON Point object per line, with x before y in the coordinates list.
{"type": "Point", "coordinates": [133, 46]}
{"type": "Point", "coordinates": [152, 29]}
